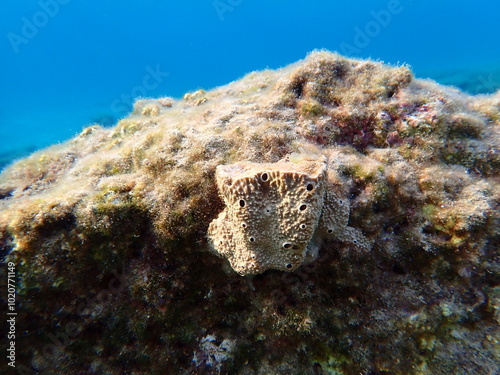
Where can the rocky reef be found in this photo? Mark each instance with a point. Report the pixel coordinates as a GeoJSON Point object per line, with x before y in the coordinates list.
{"type": "Point", "coordinates": [396, 272]}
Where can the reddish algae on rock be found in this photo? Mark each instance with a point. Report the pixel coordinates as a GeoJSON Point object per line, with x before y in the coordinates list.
{"type": "Point", "coordinates": [115, 273]}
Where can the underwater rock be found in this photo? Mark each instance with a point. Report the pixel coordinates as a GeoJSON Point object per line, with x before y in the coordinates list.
{"type": "Point", "coordinates": [397, 270]}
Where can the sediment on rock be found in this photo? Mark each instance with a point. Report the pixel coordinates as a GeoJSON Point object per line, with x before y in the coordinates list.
{"type": "Point", "coordinates": [108, 232]}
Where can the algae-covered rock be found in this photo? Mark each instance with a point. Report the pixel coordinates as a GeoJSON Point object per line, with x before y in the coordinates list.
{"type": "Point", "coordinates": [109, 232]}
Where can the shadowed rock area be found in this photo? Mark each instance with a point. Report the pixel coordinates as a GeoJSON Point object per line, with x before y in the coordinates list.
{"type": "Point", "coordinates": [108, 233]}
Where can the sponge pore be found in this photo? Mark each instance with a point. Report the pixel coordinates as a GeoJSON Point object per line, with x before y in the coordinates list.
{"type": "Point", "coordinates": [271, 214]}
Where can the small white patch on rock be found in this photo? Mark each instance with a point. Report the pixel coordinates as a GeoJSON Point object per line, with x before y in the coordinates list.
{"type": "Point", "coordinates": [213, 352]}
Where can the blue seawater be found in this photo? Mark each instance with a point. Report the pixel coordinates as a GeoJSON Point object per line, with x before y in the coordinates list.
{"type": "Point", "coordinates": [68, 63]}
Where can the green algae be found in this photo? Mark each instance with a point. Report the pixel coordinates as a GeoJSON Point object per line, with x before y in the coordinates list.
{"type": "Point", "coordinates": [417, 165]}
